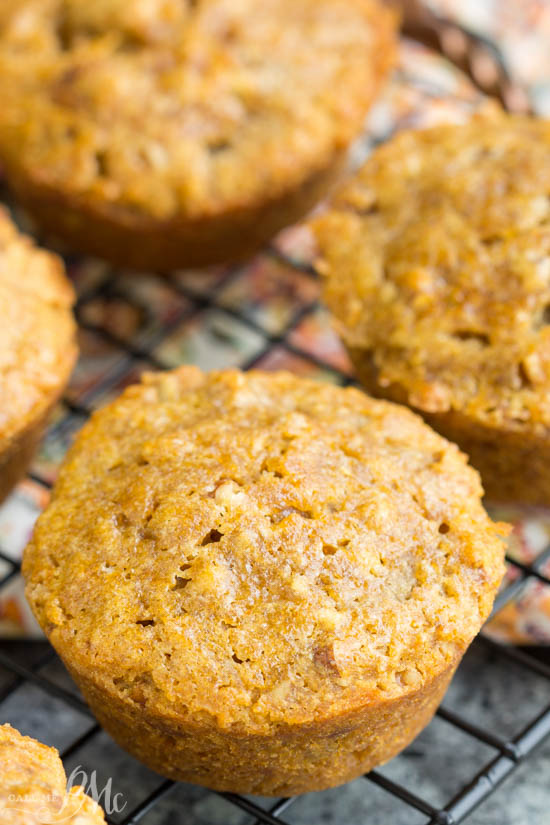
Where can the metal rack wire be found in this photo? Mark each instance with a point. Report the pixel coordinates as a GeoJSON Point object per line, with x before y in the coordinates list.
{"type": "Point", "coordinates": [508, 753]}
{"type": "Point", "coordinates": [35, 663]}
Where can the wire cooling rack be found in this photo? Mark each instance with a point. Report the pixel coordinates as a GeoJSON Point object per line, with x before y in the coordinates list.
{"type": "Point", "coordinates": [266, 314]}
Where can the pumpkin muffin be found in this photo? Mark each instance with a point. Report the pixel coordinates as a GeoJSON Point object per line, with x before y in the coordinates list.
{"type": "Point", "coordinates": [37, 346]}
{"type": "Point", "coordinates": [166, 133]}
{"type": "Point", "coordinates": [262, 584]}
{"type": "Point", "coordinates": [436, 259]}
{"type": "Point", "coordinates": [33, 786]}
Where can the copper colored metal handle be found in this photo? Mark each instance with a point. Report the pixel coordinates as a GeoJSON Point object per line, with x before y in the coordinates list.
{"type": "Point", "coordinates": [480, 59]}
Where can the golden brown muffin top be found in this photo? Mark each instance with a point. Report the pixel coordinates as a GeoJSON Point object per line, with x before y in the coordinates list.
{"type": "Point", "coordinates": [37, 330]}
{"type": "Point", "coordinates": [159, 108]}
{"type": "Point", "coordinates": [33, 786]}
{"type": "Point", "coordinates": [254, 549]}
{"type": "Point", "coordinates": [437, 265]}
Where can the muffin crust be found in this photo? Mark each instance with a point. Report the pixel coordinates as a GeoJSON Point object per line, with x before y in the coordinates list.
{"type": "Point", "coordinates": [37, 345]}
{"type": "Point", "coordinates": [33, 786]}
{"type": "Point", "coordinates": [260, 567]}
{"type": "Point", "coordinates": [436, 259]}
{"type": "Point", "coordinates": [182, 123]}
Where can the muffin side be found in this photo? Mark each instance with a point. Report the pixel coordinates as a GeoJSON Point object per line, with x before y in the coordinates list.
{"type": "Point", "coordinates": [16, 457]}
{"type": "Point", "coordinates": [513, 464]}
{"type": "Point", "coordinates": [37, 346]}
{"type": "Point", "coordinates": [102, 230]}
{"type": "Point", "coordinates": [292, 760]}
{"type": "Point", "coordinates": [435, 259]}
{"type": "Point", "coordinates": [183, 133]}
{"type": "Point", "coordinates": [260, 565]}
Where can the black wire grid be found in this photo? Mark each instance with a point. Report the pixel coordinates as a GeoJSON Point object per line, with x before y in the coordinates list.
{"type": "Point", "coordinates": [214, 303]}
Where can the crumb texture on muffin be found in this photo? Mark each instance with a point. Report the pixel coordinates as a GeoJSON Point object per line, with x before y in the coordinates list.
{"type": "Point", "coordinates": [437, 265]}
{"type": "Point", "coordinates": [158, 108]}
{"type": "Point", "coordinates": [33, 786]}
{"type": "Point", "coordinates": [256, 550]}
{"type": "Point", "coordinates": [37, 331]}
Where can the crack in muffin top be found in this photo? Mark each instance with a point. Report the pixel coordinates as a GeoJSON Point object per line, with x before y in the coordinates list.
{"type": "Point", "coordinates": [436, 259]}
{"type": "Point", "coordinates": [259, 548]}
{"type": "Point", "coordinates": [168, 107]}
{"type": "Point", "coordinates": [37, 330]}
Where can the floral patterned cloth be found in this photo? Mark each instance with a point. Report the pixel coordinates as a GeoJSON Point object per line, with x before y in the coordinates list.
{"type": "Point", "coordinates": [267, 312]}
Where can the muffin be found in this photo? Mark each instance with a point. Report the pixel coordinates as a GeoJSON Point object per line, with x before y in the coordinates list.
{"type": "Point", "coordinates": [33, 786]}
{"type": "Point", "coordinates": [164, 133]}
{"type": "Point", "coordinates": [436, 259]}
{"type": "Point", "coordinates": [261, 584]}
{"type": "Point", "coordinates": [37, 346]}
